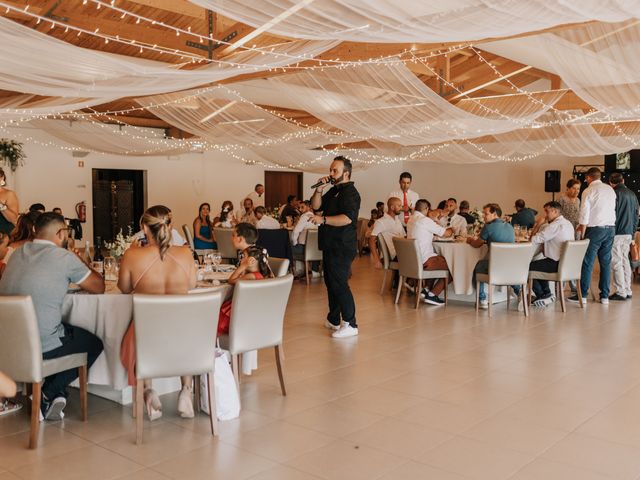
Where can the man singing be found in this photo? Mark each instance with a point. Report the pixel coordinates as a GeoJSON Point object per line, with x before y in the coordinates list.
{"type": "Point", "coordinates": [337, 215]}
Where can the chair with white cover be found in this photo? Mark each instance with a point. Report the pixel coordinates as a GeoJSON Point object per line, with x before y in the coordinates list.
{"type": "Point", "coordinates": [387, 263]}
{"type": "Point", "coordinates": [175, 336]}
{"type": "Point", "coordinates": [508, 265]}
{"type": "Point", "coordinates": [257, 320]}
{"type": "Point", "coordinates": [410, 266]}
{"type": "Point", "coordinates": [312, 252]}
{"type": "Point", "coordinates": [279, 266]}
{"type": "Point", "coordinates": [569, 268]}
{"type": "Point", "coordinates": [225, 244]}
{"type": "Point", "coordinates": [21, 356]}
{"type": "Point", "coordinates": [187, 234]}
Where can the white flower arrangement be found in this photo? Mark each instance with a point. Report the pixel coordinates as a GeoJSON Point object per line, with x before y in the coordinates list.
{"type": "Point", "coordinates": [120, 244]}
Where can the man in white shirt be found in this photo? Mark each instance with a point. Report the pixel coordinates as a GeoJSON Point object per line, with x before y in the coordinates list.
{"type": "Point", "coordinates": [597, 223]}
{"type": "Point", "coordinates": [422, 227]}
{"type": "Point", "coordinates": [407, 196]}
{"type": "Point", "coordinates": [264, 221]}
{"type": "Point", "coordinates": [387, 227]}
{"type": "Point", "coordinates": [246, 214]}
{"type": "Point", "coordinates": [257, 196]}
{"type": "Point", "coordinates": [553, 236]}
{"type": "Point", "coordinates": [299, 236]}
{"type": "Point", "coordinates": [452, 220]}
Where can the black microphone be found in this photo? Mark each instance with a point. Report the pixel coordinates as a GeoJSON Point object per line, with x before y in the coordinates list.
{"type": "Point", "coordinates": [321, 182]}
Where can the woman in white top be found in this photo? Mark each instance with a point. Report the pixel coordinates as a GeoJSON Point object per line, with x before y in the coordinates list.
{"type": "Point", "coordinates": [227, 217]}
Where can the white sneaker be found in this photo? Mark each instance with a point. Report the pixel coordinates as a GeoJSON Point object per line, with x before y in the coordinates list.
{"type": "Point", "coordinates": [55, 410]}
{"type": "Point", "coordinates": [331, 326]}
{"type": "Point", "coordinates": [604, 301]}
{"type": "Point", "coordinates": [484, 304]}
{"type": "Point", "coordinates": [345, 331]}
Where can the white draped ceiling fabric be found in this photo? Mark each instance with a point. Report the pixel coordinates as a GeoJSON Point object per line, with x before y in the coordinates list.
{"type": "Point", "coordinates": [396, 21]}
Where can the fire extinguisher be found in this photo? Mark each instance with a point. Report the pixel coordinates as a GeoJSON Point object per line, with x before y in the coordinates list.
{"type": "Point", "coordinates": [81, 211]}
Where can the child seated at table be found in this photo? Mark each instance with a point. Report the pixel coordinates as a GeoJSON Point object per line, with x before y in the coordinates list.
{"type": "Point", "coordinates": [254, 266]}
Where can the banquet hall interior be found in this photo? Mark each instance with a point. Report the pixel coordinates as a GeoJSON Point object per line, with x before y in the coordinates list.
{"type": "Point", "coordinates": [110, 108]}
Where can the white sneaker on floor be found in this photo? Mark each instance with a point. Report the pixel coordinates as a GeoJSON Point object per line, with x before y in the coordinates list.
{"type": "Point", "coordinates": [604, 301]}
{"type": "Point", "coordinates": [55, 411]}
{"type": "Point", "coordinates": [331, 326]}
{"type": "Point", "coordinates": [345, 331]}
{"type": "Point", "coordinates": [484, 304]}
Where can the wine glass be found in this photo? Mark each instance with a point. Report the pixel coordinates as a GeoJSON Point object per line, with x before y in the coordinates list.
{"type": "Point", "coordinates": [217, 260]}
{"type": "Point", "coordinates": [109, 264]}
{"type": "Point", "coordinates": [208, 261]}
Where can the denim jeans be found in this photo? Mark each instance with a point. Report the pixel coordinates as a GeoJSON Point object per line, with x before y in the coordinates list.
{"type": "Point", "coordinates": [600, 245]}
{"type": "Point", "coordinates": [483, 267]}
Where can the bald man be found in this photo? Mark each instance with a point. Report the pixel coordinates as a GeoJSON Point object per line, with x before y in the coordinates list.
{"type": "Point", "coordinates": [388, 226]}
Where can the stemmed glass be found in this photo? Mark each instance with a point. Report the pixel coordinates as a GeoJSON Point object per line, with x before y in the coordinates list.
{"type": "Point", "coordinates": [217, 260]}
{"type": "Point", "coordinates": [208, 261]}
{"type": "Point", "coordinates": [109, 265]}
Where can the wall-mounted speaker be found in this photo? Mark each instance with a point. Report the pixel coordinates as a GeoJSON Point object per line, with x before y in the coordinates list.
{"type": "Point", "coordinates": [552, 181]}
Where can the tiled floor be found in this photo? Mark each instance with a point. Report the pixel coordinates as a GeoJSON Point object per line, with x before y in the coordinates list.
{"type": "Point", "coordinates": [432, 393]}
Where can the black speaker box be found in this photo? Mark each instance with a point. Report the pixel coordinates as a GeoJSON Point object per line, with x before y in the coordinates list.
{"type": "Point", "coordinates": [552, 181]}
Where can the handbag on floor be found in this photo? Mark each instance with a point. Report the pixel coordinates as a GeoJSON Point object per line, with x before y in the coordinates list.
{"type": "Point", "coordinates": [226, 393]}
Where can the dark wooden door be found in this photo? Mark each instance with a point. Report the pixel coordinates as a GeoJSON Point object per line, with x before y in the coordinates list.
{"type": "Point", "coordinates": [279, 185]}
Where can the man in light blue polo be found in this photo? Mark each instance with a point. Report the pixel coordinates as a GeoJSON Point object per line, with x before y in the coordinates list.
{"type": "Point", "coordinates": [495, 230]}
{"type": "Point", "coordinates": [43, 269]}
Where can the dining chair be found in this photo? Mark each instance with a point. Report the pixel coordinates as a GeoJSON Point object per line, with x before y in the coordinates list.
{"type": "Point", "coordinates": [175, 335]}
{"type": "Point", "coordinates": [387, 263]}
{"type": "Point", "coordinates": [21, 357]}
{"type": "Point", "coordinates": [410, 266]}
{"type": "Point", "coordinates": [569, 268]}
{"type": "Point", "coordinates": [279, 266]}
{"type": "Point", "coordinates": [257, 320]}
{"type": "Point", "coordinates": [508, 265]}
{"type": "Point", "coordinates": [225, 244]}
{"type": "Point", "coordinates": [312, 252]}
{"type": "Point", "coordinates": [187, 234]}
{"type": "Point", "coordinates": [361, 233]}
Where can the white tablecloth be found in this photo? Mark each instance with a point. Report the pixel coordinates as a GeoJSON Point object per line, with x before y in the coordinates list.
{"type": "Point", "coordinates": [461, 259]}
{"type": "Point", "coordinates": [108, 317]}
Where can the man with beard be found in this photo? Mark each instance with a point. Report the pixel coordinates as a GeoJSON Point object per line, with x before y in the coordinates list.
{"type": "Point", "coordinates": [43, 269]}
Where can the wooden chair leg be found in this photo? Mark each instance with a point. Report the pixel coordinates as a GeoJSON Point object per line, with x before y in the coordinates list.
{"type": "Point", "coordinates": [561, 289]}
{"type": "Point", "coordinates": [477, 296]}
{"type": "Point", "coordinates": [213, 413]}
{"type": "Point", "coordinates": [418, 287]}
{"type": "Point", "coordinates": [235, 366]}
{"type": "Point", "coordinates": [446, 290]}
{"type": "Point", "coordinates": [134, 400]}
{"type": "Point", "coordinates": [384, 281]}
{"type": "Point", "coordinates": [196, 392]}
{"type": "Point", "coordinates": [579, 291]}
{"type": "Point", "coordinates": [280, 373]}
{"type": "Point", "coordinates": [36, 396]}
{"type": "Point", "coordinates": [529, 292]}
{"type": "Point", "coordinates": [139, 411]}
{"type": "Point", "coordinates": [491, 298]}
{"type": "Point", "coordinates": [508, 296]}
{"type": "Point", "coordinates": [524, 302]}
{"type": "Point", "coordinates": [82, 379]}
{"type": "Point", "coordinates": [306, 272]}
{"type": "Point", "coordinates": [400, 287]}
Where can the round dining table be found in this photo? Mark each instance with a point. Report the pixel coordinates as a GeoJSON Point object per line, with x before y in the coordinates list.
{"type": "Point", "coordinates": [461, 259]}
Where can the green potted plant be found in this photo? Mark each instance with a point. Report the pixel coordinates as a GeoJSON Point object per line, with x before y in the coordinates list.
{"type": "Point", "coordinates": [11, 153]}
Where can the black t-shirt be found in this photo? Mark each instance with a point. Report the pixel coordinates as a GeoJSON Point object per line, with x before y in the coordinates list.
{"type": "Point", "coordinates": [341, 199]}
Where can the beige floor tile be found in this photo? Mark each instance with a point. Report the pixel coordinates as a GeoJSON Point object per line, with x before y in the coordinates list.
{"type": "Point", "coordinates": [282, 472]}
{"type": "Point", "coordinates": [614, 459]}
{"type": "Point", "coordinates": [279, 441]}
{"type": "Point", "coordinates": [333, 419]}
{"type": "Point", "coordinates": [218, 460]}
{"type": "Point", "coordinates": [398, 437]}
{"type": "Point", "coordinates": [90, 462]}
{"type": "Point", "coordinates": [346, 461]}
{"type": "Point", "coordinates": [561, 416]}
{"type": "Point", "coordinates": [8, 476]}
{"type": "Point", "coordinates": [52, 442]}
{"type": "Point", "coordinates": [420, 471]}
{"type": "Point", "coordinates": [274, 405]}
{"type": "Point", "coordinates": [160, 443]}
{"type": "Point", "coordinates": [444, 416]}
{"type": "Point", "coordinates": [544, 469]}
{"type": "Point", "coordinates": [103, 425]}
{"type": "Point", "coordinates": [247, 420]}
{"type": "Point", "coordinates": [379, 400]}
{"type": "Point", "coordinates": [146, 474]}
{"type": "Point", "coordinates": [426, 386]}
{"type": "Point", "coordinates": [475, 459]}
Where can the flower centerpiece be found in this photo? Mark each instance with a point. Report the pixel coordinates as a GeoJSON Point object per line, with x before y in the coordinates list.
{"type": "Point", "coordinates": [120, 244]}
{"type": "Point", "coordinates": [11, 153]}
{"type": "Point", "coordinates": [275, 213]}
{"type": "Point", "coordinates": [479, 219]}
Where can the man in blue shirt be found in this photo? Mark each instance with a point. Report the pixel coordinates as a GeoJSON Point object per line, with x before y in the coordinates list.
{"type": "Point", "coordinates": [495, 230]}
{"type": "Point", "coordinates": [524, 216]}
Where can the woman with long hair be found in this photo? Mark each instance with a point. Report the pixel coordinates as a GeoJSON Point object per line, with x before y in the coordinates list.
{"type": "Point", "coordinates": [158, 269]}
{"type": "Point", "coordinates": [9, 209]}
{"type": "Point", "coordinates": [226, 218]}
{"type": "Point", "coordinates": [203, 229]}
{"type": "Point", "coordinates": [23, 232]}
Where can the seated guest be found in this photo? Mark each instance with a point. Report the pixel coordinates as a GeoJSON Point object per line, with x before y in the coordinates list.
{"type": "Point", "coordinates": [452, 220]}
{"type": "Point", "coordinates": [372, 219]}
{"type": "Point", "coordinates": [290, 209]}
{"type": "Point", "coordinates": [246, 214]}
{"type": "Point", "coordinates": [4, 248]}
{"type": "Point", "coordinates": [203, 229]}
{"type": "Point", "coordinates": [299, 235]}
{"type": "Point", "coordinates": [387, 227]}
{"type": "Point", "coordinates": [264, 221]}
{"type": "Point", "coordinates": [422, 227]}
{"type": "Point", "coordinates": [442, 205]}
{"type": "Point", "coordinates": [495, 230]}
{"type": "Point", "coordinates": [57, 210]}
{"type": "Point", "coordinates": [464, 212]}
{"type": "Point", "coordinates": [524, 216]}
{"type": "Point", "coordinates": [177, 240]}
{"type": "Point", "coordinates": [159, 269]}
{"type": "Point", "coordinates": [23, 232]}
{"type": "Point", "coordinates": [553, 235]}
{"type": "Point", "coordinates": [227, 217]}
{"type": "Point", "coordinates": [380, 208]}
{"type": "Point", "coordinates": [43, 269]}
{"type": "Point", "coordinates": [7, 389]}
{"type": "Point", "coordinates": [244, 236]}
{"type": "Point", "coordinates": [37, 207]}
{"type": "Point", "coordinates": [254, 266]}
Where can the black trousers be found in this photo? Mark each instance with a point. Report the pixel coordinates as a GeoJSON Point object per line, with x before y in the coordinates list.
{"type": "Point", "coordinates": [337, 265]}
{"type": "Point", "coordinates": [547, 265]}
{"type": "Point", "coordinates": [75, 340]}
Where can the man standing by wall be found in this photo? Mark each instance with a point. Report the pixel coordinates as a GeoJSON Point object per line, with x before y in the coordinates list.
{"type": "Point", "coordinates": [597, 223]}
{"type": "Point", "coordinates": [337, 215]}
{"type": "Point", "coordinates": [407, 196]}
{"type": "Point", "coordinates": [626, 225]}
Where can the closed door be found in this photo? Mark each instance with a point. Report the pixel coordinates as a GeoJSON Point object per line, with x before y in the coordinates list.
{"type": "Point", "coordinates": [279, 185]}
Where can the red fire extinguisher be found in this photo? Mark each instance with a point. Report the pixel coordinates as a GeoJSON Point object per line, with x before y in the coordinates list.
{"type": "Point", "coordinates": [81, 211]}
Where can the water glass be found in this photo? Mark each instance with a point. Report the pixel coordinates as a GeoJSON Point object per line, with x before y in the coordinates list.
{"type": "Point", "coordinates": [217, 260]}
{"type": "Point", "coordinates": [109, 268]}
{"type": "Point", "coordinates": [208, 261]}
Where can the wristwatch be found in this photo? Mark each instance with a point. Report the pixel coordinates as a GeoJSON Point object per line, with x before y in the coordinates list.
{"type": "Point", "coordinates": [324, 220]}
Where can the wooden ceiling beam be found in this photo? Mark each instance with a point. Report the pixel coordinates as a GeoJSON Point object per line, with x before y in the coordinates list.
{"type": "Point", "coordinates": [181, 7]}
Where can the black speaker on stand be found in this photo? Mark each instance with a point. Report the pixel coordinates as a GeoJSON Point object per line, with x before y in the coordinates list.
{"type": "Point", "coordinates": [552, 182]}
